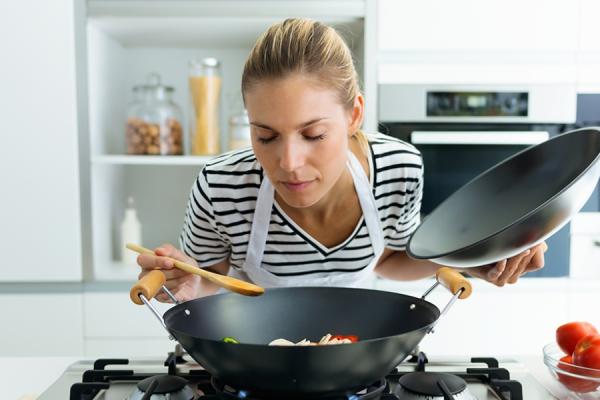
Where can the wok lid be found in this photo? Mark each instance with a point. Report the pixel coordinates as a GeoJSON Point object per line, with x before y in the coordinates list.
{"type": "Point", "coordinates": [513, 205]}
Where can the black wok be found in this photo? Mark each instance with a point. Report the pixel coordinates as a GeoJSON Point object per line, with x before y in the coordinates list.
{"type": "Point", "coordinates": [389, 326]}
{"type": "Point", "coordinates": [514, 205]}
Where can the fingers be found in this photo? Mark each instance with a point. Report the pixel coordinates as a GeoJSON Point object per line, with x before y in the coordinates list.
{"type": "Point", "coordinates": [537, 260]}
{"type": "Point", "coordinates": [168, 250]}
{"type": "Point", "coordinates": [521, 269]}
{"type": "Point", "coordinates": [169, 274]}
{"type": "Point", "coordinates": [182, 284]}
{"type": "Point", "coordinates": [149, 262]}
{"type": "Point", "coordinates": [494, 273]}
{"type": "Point", "coordinates": [160, 260]}
{"type": "Point", "coordinates": [183, 288]}
{"type": "Point", "coordinates": [509, 271]}
{"type": "Point", "coordinates": [528, 261]}
{"type": "Point", "coordinates": [164, 298]}
{"type": "Point", "coordinates": [512, 267]}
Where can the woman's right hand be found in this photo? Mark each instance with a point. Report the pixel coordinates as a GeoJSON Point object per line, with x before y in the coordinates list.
{"type": "Point", "coordinates": [183, 285]}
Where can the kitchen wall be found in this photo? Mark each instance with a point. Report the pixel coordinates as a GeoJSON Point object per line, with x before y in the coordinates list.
{"type": "Point", "coordinates": [48, 309]}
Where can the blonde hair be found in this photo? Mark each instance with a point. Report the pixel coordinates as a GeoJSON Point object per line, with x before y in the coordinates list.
{"type": "Point", "coordinates": [300, 45]}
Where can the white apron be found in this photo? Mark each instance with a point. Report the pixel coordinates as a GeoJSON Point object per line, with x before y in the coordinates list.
{"type": "Point", "coordinates": [260, 227]}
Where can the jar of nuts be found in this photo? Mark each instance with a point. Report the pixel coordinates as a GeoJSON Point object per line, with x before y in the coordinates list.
{"type": "Point", "coordinates": [154, 120]}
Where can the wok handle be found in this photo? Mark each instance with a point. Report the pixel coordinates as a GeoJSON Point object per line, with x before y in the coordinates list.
{"type": "Point", "coordinates": [457, 284]}
{"type": "Point", "coordinates": [454, 282]}
{"type": "Point", "coordinates": [148, 286]}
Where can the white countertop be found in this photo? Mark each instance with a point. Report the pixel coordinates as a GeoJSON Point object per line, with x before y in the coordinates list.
{"type": "Point", "coordinates": [37, 374]}
{"type": "Point", "coordinates": [535, 365]}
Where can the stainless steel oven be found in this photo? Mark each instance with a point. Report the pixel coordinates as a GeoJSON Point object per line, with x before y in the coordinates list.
{"type": "Point", "coordinates": [463, 130]}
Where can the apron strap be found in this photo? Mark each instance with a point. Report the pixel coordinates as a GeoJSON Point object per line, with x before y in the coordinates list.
{"type": "Point", "coordinates": [260, 224]}
{"type": "Point", "coordinates": [368, 205]}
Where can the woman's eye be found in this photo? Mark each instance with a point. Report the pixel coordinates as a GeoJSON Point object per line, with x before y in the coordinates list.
{"type": "Point", "coordinates": [266, 139]}
{"type": "Point", "coordinates": [315, 137]}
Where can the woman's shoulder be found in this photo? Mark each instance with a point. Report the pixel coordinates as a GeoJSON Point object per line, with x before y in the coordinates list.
{"type": "Point", "coordinates": [234, 160]}
{"type": "Point", "coordinates": [234, 166]}
{"type": "Point", "coordinates": [389, 152]}
{"type": "Point", "coordinates": [231, 175]}
{"type": "Point", "coordinates": [381, 142]}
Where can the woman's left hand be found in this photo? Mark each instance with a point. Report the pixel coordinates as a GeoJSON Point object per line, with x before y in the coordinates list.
{"type": "Point", "coordinates": [510, 270]}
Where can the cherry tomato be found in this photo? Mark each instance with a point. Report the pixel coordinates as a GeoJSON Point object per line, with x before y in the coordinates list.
{"type": "Point", "coordinates": [587, 352]}
{"type": "Point", "coordinates": [568, 335]}
{"type": "Point", "coordinates": [574, 384]}
{"type": "Point", "coordinates": [352, 338]}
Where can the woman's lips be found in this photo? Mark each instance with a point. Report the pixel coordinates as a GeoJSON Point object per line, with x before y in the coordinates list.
{"type": "Point", "coordinates": [297, 186]}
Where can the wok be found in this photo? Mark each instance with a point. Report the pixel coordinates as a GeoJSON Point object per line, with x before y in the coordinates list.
{"type": "Point", "coordinates": [389, 326]}
{"type": "Point", "coordinates": [514, 205]}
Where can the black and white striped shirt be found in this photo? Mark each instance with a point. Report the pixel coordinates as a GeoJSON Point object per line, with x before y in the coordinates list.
{"type": "Point", "coordinates": [222, 200]}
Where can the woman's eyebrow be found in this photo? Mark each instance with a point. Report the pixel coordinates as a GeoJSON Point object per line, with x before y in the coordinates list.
{"type": "Point", "coordinates": [302, 125]}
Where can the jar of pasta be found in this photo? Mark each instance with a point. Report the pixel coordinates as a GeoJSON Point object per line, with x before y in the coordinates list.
{"type": "Point", "coordinates": [154, 120]}
{"type": "Point", "coordinates": [205, 89]}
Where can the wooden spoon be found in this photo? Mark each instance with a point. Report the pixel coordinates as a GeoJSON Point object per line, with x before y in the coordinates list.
{"type": "Point", "coordinates": [227, 282]}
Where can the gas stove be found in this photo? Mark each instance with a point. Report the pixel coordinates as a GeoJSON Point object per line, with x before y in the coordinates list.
{"type": "Point", "coordinates": [178, 377]}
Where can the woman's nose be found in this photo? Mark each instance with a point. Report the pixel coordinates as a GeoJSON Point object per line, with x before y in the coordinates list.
{"type": "Point", "coordinates": [292, 156]}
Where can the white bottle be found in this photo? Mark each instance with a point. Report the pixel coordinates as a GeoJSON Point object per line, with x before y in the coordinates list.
{"type": "Point", "coordinates": [131, 232]}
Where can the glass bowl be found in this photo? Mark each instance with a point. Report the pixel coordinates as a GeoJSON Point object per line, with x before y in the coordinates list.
{"type": "Point", "coordinates": [583, 383]}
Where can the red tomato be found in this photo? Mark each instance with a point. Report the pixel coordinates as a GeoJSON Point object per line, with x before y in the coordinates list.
{"type": "Point", "coordinates": [568, 335]}
{"type": "Point", "coordinates": [574, 384]}
{"type": "Point", "coordinates": [587, 352]}
{"type": "Point", "coordinates": [352, 338]}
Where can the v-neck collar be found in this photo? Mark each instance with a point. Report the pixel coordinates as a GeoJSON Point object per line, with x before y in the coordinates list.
{"type": "Point", "coordinates": [326, 251]}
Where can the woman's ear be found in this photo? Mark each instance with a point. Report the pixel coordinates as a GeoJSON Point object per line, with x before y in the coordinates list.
{"type": "Point", "coordinates": [357, 114]}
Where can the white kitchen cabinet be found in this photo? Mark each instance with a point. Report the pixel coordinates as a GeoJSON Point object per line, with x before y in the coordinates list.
{"type": "Point", "coordinates": [41, 322]}
{"type": "Point", "coordinates": [478, 42]}
{"type": "Point", "coordinates": [588, 57]}
{"type": "Point", "coordinates": [588, 26]}
{"type": "Point", "coordinates": [472, 25]}
{"type": "Point", "coordinates": [115, 327]}
{"type": "Point", "coordinates": [39, 166]}
{"type": "Point", "coordinates": [126, 41]}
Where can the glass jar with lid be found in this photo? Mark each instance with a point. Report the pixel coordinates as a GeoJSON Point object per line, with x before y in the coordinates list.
{"type": "Point", "coordinates": [205, 89]}
{"type": "Point", "coordinates": [239, 131]}
{"type": "Point", "coordinates": [154, 120]}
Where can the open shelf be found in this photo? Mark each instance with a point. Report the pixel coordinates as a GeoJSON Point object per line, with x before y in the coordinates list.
{"type": "Point", "coordinates": [150, 160]}
{"type": "Point", "coordinates": [206, 23]}
{"type": "Point", "coordinates": [126, 40]}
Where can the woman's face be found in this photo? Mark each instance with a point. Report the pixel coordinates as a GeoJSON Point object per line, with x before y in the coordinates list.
{"type": "Point", "coordinates": [300, 133]}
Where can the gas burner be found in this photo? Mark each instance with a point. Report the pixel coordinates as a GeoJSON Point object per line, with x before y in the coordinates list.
{"type": "Point", "coordinates": [118, 379]}
{"type": "Point", "coordinates": [163, 387]}
{"type": "Point", "coordinates": [371, 392]}
{"type": "Point", "coordinates": [432, 385]}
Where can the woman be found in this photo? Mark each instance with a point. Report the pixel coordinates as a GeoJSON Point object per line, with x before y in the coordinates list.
{"type": "Point", "coordinates": [316, 201]}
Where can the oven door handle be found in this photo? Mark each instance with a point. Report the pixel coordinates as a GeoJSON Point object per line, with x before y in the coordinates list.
{"type": "Point", "coordinates": [479, 137]}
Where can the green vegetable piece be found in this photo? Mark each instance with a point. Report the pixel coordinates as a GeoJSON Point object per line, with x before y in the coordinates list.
{"type": "Point", "coordinates": [229, 339]}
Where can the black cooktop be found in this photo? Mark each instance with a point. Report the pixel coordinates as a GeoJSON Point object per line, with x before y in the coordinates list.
{"type": "Point", "coordinates": [200, 385]}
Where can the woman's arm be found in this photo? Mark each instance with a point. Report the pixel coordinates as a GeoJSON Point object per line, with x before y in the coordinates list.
{"type": "Point", "coordinates": [206, 287]}
{"type": "Point", "coordinates": [397, 265]}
